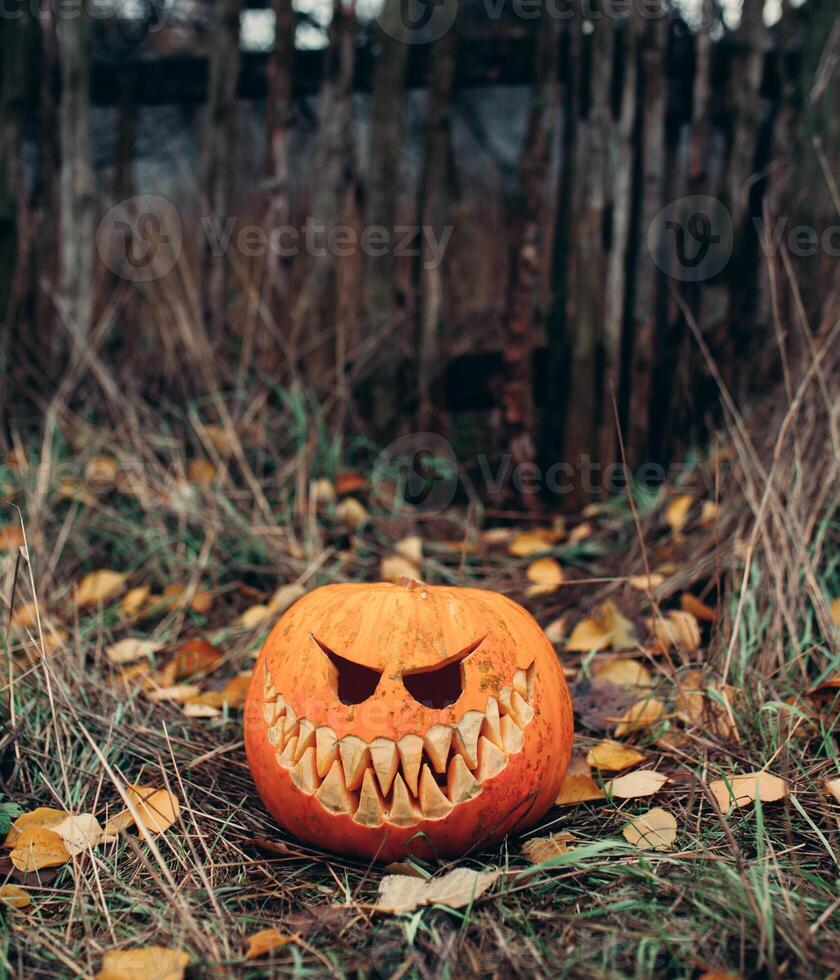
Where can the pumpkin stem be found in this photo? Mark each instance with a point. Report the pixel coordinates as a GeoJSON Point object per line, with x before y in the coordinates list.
{"type": "Point", "coordinates": [407, 582]}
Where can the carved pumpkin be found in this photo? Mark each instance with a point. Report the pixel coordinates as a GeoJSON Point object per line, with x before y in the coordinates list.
{"type": "Point", "coordinates": [392, 719]}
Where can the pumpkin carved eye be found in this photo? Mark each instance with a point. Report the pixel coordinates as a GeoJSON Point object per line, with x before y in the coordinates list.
{"type": "Point", "coordinates": [440, 686]}
{"type": "Point", "coordinates": [355, 683]}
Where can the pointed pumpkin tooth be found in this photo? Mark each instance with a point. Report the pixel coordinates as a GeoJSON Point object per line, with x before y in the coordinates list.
{"type": "Point", "coordinates": [436, 743]}
{"type": "Point", "coordinates": [274, 709]}
{"type": "Point", "coordinates": [268, 687]}
{"type": "Point", "coordinates": [512, 735]}
{"type": "Point", "coordinates": [287, 756]}
{"type": "Point", "coordinates": [275, 734]}
{"type": "Point", "coordinates": [466, 736]}
{"type": "Point", "coordinates": [520, 683]}
{"type": "Point", "coordinates": [306, 738]}
{"type": "Point", "coordinates": [491, 759]}
{"type": "Point", "coordinates": [411, 752]}
{"type": "Point", "coordinates": [332, 793]}
{"type": "Point", "coordinates": [403, 812]}
{"type": "Point", "coordinates": [354, 758]}
{"type": "Point", "coordinates": [504, 700]}
{"type": "Point", "coordinates": [386, 761]}
{"type": "Point", "coordinates": [304, 775]}
{"type": "Point", "coordinates": [490, 729]}
{"type": "Point", "coordinates": [290, 723]}
{"type": "Point", "coordinates": [432, 801]}
{"type": "Point", "coordinates": [326, 750]}
{"type": "Point", "coordinates": [531, 675]}
{"type": "Point", "coordinates": [370, 811]}
{"type": "Point", "coordinates": [461, 785]}
{"type": "Point", "coordinates": [520, 709]}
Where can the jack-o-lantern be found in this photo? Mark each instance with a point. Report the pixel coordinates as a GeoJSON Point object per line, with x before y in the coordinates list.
{"type": "Point", "coordinates": [389, 719]}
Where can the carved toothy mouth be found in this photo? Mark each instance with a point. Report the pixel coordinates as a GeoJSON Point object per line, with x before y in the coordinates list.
{"type": "Point", "coordinates": [409, 780]}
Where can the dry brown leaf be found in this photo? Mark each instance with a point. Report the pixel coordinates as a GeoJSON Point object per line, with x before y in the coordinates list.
{"type": "Point", "coordinates": [14, 897]}
{"type": "Point", "coordinates": [349, 482]}
{"type": "Point", "coordinates": [143, 963]}
{"type": "Point", "coordinates": [97, 587]}
{"type": "Point", "coordinates": [400, 894]}
{"type": "Point", "coordinates": [322, 491]}
{"type": "Point", "coordinates": [677, 629]}
{"type": "Point", "coordinates": [628, 673]}
{"type": "Point", "coordinates": [605, 628]}
{"type": "Point", "coordinates": [691, 604]}
{"type": "Point", "coordinates": [233, 694]}
{"type": "Point", "coordinates": [135, 600]}
{"type": "Point", "coordinates": [578, 785]}
{"type": "Point", "coordinates": [265, 941]}
{"type": "Point", "coordinates": [38, 847]}
{"type": "Point", "coordinates": [613, 756]}
{"type": "Point", "coordinates": [556, 629]}
{"type": "Point", "coordinates": [196, 656]}
{"type": "Point", "coordinates": [201, 472]}
{"type": "Point", "coordinates": [131, 649]}
{"type": "Point", "coordinates": [641, 782]}
{"type": "Point", "coordinates": [639, 716]}
{"type": "Point", "coordinates": [79, 831]}
{"type": "Point", "coordinates": [746, 788]}
{"type": "Point", "coordinates": [709, 513]}
{"type": "Point", "coordinates": [826, 690]}
{"type": "Point", "coordinates": [410, 548]}
{"type": "Point", "coordinates": [285, 597]}
{"type": "Point", "coordinates": [198, 710]}
{"type": "Point", "coordinates": [645, 583]}
{"type": "Point", "coordinates": [655, 830]}
{"type": "Point", "coordinates": [351, 512]}
{"type": "Point", "coordinates": [832, 788]}
{"type": "Point", "coordinates": [540, 849]}
{"type": "Point", "coordinates": [158, 808]}
{"type": "Point", "coordinates": [179, 693]}
{"type": "Point", "coordinates": [496, 536]}
{"type": "Point", "coordinates": [202, 602]}
{"type": "Point", "coordinates": [395, 567]}
{"type": "Point", "coordinates": [676, 513]}
{"type": "Point", "coordinates": [11, 537]}
{"type": "Point", "coordinates": [101, 473]}
{"type": "Point", "coordinates": [255, 616]}
{"type": "Point", "coordinates": [546, 576]}
{"type": "Point", "coordinates": [25, 616]}
{"type": "Point", "coordinates": [42, 816]}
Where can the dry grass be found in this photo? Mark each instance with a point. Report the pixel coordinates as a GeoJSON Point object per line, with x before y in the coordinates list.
{"type": "Point", "coordinates": [753, 893]}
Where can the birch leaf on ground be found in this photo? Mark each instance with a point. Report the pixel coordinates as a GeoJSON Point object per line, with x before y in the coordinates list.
{"type": "Point", "coordinates": [38, 847]}
{"type": "Point", "coordinates": [265, 941]}
{"type": "Point", "coordinates": [677, 629]}
{"type": "Point", "coordinates": [641, 782]}
{"type": "Point", "coordinates": [629, 673]}
{"type": "Point", "coordinates": [528, 543]}
{"type": "Point", "coordinates": [395, 567]}
{"type": "Point", "coordinates": [645, 583]}
{"type": "Point", "coordinates": [14, 897]}
{"type": "Point", "coordinates": [158, 810]}
{"type": "Point", "coordinates": [578, 785]}
{"type": "Point", "coordinates": [691, 604]}
{"type": "Point", "coordinates": [639, 716]}
{"type": "Point", "coordinates": [42, 816]}
{"type": "Point", "coordinates": [746, 788]}
{"type": "Point", "coordinates": [285, 597]}
{"type": "Point", "coordinates": [147, 962]}
{"type": "Point", "coordinates": [545, 574]}
{"type": "Point", "coordinates": [254, 616]}
{"type": "Point", "coordinates": [605, 628]}
{"type": "Point", "coordinates": [540, 849]}
{"type": "Point", "coordinates": [676, 513]}
{"type": "Point", "coordinates": [79, 831]}
{"type": "Point", "coordinates": [613, 756]}
{"type": "Point", "coordinates": [135, 599]}
{"type": "Point", "coordinates": [400, 894]}
{"type": "Point", "coordinates": [24, 616]}
{"type": "Point", "coordinates": [410, 548]}
{"type": "Point", "coordinates": [351, 512]}
{"type": "Point", "coordinates": [98, 587]}
{"type": "Point", "coordinates": [832, 788]}
{"type": "Point", "coordinates": [655, 830]}
{"type": "Point", "coordinates": [131, 649]}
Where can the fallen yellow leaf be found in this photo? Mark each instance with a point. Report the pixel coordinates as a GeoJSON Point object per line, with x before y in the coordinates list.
{"type": "Point", "coordinates": [655, 830]}
{"type": "Point", "coordinates": [578, 785]}
{"type": "Point", "coordinates": [676, 513]}
{"type": "Point", "coordinates": [545, 574]}
{"type": "Point", "coordinates": [265, 941]}
{"type": "Point", "coordinates": [410, 548]}
{"type": "Point", "coordinates": [605, 628]}
{"type": "Point", "coordinates": [644, 583]}
{"type": "Point", "coordinates": [255, 616]}
{"type": "Point", "coordinates": [143, 963]}
{"type": "Point", "coordinates": [179, 693]}
{"type": "Point", "coordinates": [540, 849]}
{"type": "Point", "coordinates": [691, 604]}
{"type": "Point", "coordinates": [201, 472]}
{"type": "Point", "coordinates": [101, 473]}
{"type": "Point", "coordinates": [556, 629]}
{"type": "Point", "coordinates": [158, 809]}
{"type": "Point", "coordinates": [677, 629]}
{"type": "Point", "coordinates": [832, 788]}
{"type": "Point", "coordinates": [38, 847]}
{"type": "Point", "coordinates": [613, 756]}
{"type": "Point", "coordinates": [42, 816]}
{"type": "Point", "coordinates": [628, 673]}
{"type": "Point", "coordinates": [135, 599]}
{"type": "Point", "coordinates": [130, 649]}
{"type": "Point", "coordinates": [639, 716]}
{"type": "Point", "coordinates": [835, 611]}
{"type": "Point", "coordinates": [395, 567]}
{"type": "Point", "coordinates": [14, 897]}
{"type": "Point", "coordinates": [24, 616]}
{"type": "Point", "coordinates": [285, 597]}
{"type": "Point", "coordinates": [641, 782]}
{"type": "Point", "coordinates": [349, 511]}
{"type": "Point", "coordinates": [99, 587]}
{"type": "Point", "coordinates": [71, 488]}
{"type": "Point", "coordinates": [746, 788]}
{"type": "Point", "coordinates": [11, 537]}
{"type": "Point", "coordinates": [400, 894]}
{"type": "Point", "coordinates": [79, 831]}
{"type": "Point", "coordinates": [580, 533]}
{"type": "Point", "coordinates": [202, 602]}
{"type": "Point", "coordinates": [528, 543]}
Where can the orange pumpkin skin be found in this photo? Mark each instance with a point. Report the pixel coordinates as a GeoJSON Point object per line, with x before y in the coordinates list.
{"type": "Point", "coordinates": [387, 775]}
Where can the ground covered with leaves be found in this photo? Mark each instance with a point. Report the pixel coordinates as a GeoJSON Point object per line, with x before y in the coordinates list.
{"type": "Point", "coordinates": [696, 833]}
